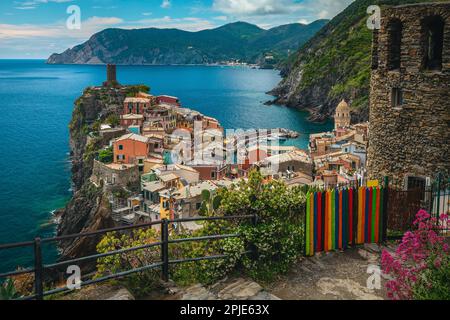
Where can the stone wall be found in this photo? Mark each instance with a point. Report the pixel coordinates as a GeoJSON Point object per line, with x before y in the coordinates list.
{"type": "Point", "coordinates": [110, 177]}
{"type": "Point", "coordinates": [108, 135]}
{"type": "Point", "coordinates": [411, 139]}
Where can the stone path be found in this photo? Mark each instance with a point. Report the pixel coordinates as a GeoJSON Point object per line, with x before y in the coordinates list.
{"type": "Point", "coordinates": [227, 289]}
{"type": "Point", "coordinates": [326, 276]}
{"type": "Point", "coordinates": [332, 276]}
{"type": "Point", "coordinates": [99, 292]}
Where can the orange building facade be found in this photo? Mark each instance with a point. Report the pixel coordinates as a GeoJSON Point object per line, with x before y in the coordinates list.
{"type": "Point", "coordinates": [130, 149]}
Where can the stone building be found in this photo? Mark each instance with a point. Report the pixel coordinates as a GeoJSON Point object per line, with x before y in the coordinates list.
{"type": "Point", "coordinates": [410, 95]}
{"type": "Point", "coordinates": [342, 116]}
{"type": "Point", "coordinates": [111, 76]}
{"type": "Point", "coordinates": [115, 175]}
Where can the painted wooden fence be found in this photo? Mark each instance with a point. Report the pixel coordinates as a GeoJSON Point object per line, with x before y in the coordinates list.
{"type": "Point", "coordinates": [337, 219]}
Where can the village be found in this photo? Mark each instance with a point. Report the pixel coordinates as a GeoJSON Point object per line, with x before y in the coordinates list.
{"type": "Point", "coordinates": [163, 156]}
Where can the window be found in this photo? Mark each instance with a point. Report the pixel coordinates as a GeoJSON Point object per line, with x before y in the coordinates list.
{"type": "Point", "coordinates": [120, 147]}
{"type": "Point", "coordinates": [166, 205]}
{"type": "Point", "coordinates": [433, 42]}
{"type": "Point", "coordinates": [397, 97]}
{"type": "Point", "coordinates": [418, 186]}
{"type": "Point", "coordinates": [394, 44]}
{"type": "Point", "coordinates": [137, 108]}
{"type": "Point", "coordinates": [416, 183]}
{"type": "Point", "coordinates": [213, 175]}
{"type": "Point", "coordinates": [130, 107]}
{"type": "Point", "coordinates": [375, 50]}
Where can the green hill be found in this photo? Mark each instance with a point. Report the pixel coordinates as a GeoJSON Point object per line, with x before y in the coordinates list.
{"type": "Point", "coordinates": [236, 41]}
{"type": "Point", "coordinates": [332, 65]}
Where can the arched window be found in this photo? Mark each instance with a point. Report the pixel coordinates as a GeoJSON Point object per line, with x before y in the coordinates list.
{"type": "Point", "coordinates": [394, 44]}
{"type": "Point", "coordinates": [433, 42]}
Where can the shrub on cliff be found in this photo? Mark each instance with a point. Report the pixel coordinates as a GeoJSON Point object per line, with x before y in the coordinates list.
{"type": "Point", "coordinates": [140, 283]}
{"type": "Point", "coordinates": [420, 268]}
{"type": "Point", "coordinates": [113, 120]}
{"type": "Point", "coordinates": [106, 155]}
{"type": "Point", "coordinates": [263, 250]}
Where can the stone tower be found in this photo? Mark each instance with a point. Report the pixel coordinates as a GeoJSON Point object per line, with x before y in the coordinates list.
{"type": "Point", "coordinates": [342, 116]}
{"type": "Point", "coordinates": [111, 76]}
{"type": "Point", "coordinates": [409, 135]}
{"type": "Point", "coordinates": [111, 73]}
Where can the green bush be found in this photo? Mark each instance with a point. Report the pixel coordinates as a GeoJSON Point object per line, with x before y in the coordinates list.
{"type": "Point", "coordinates": [276, 246]}
{"type": "Point", "coordinates": [141, 283]}
{"type": "Point", "coordinates": [113, 120]}
{"type": "Point", "coordinates": [106, 155]}
{"type": "Point", "coordinates": [434, 283]}
{"type": "Point", "coordinates": [8, 290]}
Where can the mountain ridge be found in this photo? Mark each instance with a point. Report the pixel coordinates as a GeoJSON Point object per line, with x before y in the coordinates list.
{"type": "Point", "coordinates": [153, 46]}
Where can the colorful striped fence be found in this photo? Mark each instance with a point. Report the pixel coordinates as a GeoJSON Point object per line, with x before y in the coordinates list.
{"type": "Point", "coordinates": [336, 219]}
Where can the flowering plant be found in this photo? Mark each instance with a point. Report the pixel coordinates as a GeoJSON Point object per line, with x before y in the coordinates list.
{"type": "Point", "coordinates": [420, 267]}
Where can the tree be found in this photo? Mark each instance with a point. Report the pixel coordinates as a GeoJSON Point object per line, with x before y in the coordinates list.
{"type": "Point", "coordinates": [210, 203]}
{"type": "Point", "coordinates": [106, 155]}
{"type": "Point", "coordinates": [113, 120]}
{"type": "Point", "coordinates": [134, 90]}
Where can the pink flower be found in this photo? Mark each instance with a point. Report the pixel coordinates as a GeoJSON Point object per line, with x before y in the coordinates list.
{"type": "Point", "coordinates": [437, 263]}
{"type": "Point", "coordinates": [418, 251]}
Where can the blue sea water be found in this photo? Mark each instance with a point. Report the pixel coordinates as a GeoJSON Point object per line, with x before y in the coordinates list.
{"type": "Point", "coordinates": [36, 102]}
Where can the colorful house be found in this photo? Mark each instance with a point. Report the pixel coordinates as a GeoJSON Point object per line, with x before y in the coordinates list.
{"type": "Point", "coordinates": [134, 105]}
{"type": "Point", "coordinates": [174, 101]}
{"type": "Point", "coordinates": [131, 119]}
{"type": "Point", "coordinates": [131, 149]}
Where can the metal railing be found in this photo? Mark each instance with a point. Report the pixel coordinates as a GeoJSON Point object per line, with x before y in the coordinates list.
{"type": "Point", "coordinates": [164, 263]}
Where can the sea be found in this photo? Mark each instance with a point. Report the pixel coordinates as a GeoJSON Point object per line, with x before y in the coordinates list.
{"type": "Point", "coordinates": [36, 102]}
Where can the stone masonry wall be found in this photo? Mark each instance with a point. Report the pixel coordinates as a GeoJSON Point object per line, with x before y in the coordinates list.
{"type": "Point", "coordinates": [412, 140]}
{"type": "Point", "coordinates": [128, 178]}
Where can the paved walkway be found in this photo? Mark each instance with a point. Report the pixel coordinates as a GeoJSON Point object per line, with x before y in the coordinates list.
{"type": "Point", "coordinates": [227, 289]}
{"type": "Point", "coordinates": [326, 276]}
{"type": "Point", "coordinates": [332, 276]}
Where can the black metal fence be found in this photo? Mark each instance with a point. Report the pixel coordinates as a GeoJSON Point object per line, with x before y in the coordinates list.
{"type": "Point", "coordinates": [164, 263]}
{"type": "Point", "coordinates": [403, 204]}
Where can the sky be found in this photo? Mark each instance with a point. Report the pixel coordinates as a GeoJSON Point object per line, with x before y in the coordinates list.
{"type": "Point", "coordinates": [34, 29]}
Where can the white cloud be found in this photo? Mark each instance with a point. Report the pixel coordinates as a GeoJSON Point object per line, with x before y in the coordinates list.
{"type": "Point", "coordinates": [57, 30]}
{"type": "Point", "coordinates": [252, 7]}
{"type": "Point", "coordinates": [166, 4]}
{"type": "Point", "coordinates": [188, 23]}
{"type": "Point", "coordinates": [221, 18]}
{"type": "Point", "coordinates": [270, 13]}
{"type": "Point", "coordinates": [327, 9]}
{"type": "Point", "coordinates": [33, 4]}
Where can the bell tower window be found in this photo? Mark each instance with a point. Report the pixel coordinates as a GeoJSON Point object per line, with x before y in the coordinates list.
{"type": "Point", "coordinates": [433, 42]}
{"type": "Point", "coordinates": [394, 44]}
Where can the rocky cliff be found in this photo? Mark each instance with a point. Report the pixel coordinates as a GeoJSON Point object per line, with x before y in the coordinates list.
{"type": "Point", "coordinates": [333, 65]}
{"type": "Point", "coordinates": [237, 41]}
{"type": "Point", "coordinates": [89, 208]}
